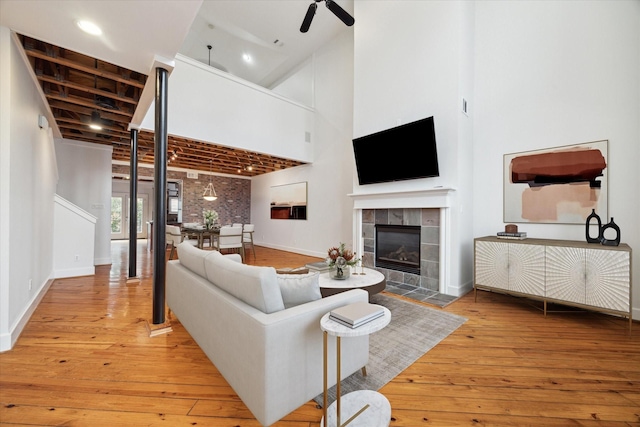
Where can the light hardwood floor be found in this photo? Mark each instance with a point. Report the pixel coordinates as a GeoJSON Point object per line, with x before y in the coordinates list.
{"type": "Point", "coordinates": [85, 359]}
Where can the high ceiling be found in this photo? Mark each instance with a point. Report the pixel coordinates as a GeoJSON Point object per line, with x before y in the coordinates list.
{"type": "Point", "coordinates": [85, 78]}
{"type": "Point", "coordinates": [84, 91]}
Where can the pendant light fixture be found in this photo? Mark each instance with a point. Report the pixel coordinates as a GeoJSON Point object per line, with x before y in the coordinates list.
{"type": "Point", "coordinates": [210, 192]}
{"type": "Point", "coordinates": [96, 121]}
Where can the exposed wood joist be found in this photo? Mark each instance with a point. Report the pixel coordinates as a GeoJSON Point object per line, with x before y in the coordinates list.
{"type": "Point", "coordinates": [78, 86]}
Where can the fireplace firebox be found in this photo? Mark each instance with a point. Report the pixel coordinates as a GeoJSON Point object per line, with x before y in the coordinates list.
{"type": "Point", "coordinates": [397, 247]}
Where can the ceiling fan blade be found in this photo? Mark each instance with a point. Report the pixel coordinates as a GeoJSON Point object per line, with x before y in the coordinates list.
{"type": "Point", "coordinates": [306, 22]}
{"type": "Point", "coordinates": [342, 14]}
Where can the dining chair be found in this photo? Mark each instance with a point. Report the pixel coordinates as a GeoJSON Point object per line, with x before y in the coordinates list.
{"type": "Point", "coordinates": [190, 237]}
{"type": "Point", "coordinates": [247, 238]}
{"type": "Point", "coordinates": [173, 237]}
{"type": "Point", "coordinates": [230, 240]}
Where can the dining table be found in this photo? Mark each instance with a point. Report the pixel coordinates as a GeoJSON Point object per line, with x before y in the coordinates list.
{"type": "Point", "coordinates": [201, 233]}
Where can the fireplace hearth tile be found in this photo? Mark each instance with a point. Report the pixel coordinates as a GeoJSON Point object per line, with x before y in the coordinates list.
{"type": "Point", "coordinates": [431, 217]}
{"type": "Point", "coordinates": [369, 245]}
{"type": "Point", "coordinates": [430, 269]}
{"type": "Point", "coordinates": [382, 216]}
{"type": "Point", "coordinates": [430, 252]}
{"type": "Point", "coordinates": [428, 219]}
{"type": "Point", "coordinates": [412, 217]}
{"type": "Point", "coordinates": [411, 279]}
{"type": "Point", "coordinates": [429, 283]}
{"type": "Point", "coordinates": [368, 231]}
{"type": "Point", "coordinates": [396, 217]}
{"type": "Point", "coordinates": [430, 235]}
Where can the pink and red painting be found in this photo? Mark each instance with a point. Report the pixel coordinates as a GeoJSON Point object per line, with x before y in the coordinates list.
{"type": "Point", "coordinates": [557, 185]}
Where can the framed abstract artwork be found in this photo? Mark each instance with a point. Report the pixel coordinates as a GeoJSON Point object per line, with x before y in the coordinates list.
{"type": "Point", "coordinates": [557, 185]}
{"type": "Point", "coordinates": [289, 201]}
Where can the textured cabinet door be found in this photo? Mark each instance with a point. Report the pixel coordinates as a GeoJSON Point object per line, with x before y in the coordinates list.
{"type": "Point", "coordinates": [573, 273]}
{"type": "Point", "coordinates": [526, 269]}
{"type": "Point", "coordinates": [492, 264]}
{"type": "Point", "coordinates": [565, 274]}
{"type": "Point", "coordinates": [607, 279]}
{"type": "Point", "coordinates": [513, 267]}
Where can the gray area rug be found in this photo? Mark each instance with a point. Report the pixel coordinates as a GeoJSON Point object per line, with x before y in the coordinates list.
{"type": "Point", "coordinates": [414, 329]}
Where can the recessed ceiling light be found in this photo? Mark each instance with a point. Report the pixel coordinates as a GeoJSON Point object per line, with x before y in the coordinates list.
{"type": "Point", "coordinates": [246, 57]}
{"type": "Point", "coordinates": [89, 27]}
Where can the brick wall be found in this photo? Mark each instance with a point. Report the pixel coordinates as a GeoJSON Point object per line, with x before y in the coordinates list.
{"type": "Point", "coordinates": [234, 195]}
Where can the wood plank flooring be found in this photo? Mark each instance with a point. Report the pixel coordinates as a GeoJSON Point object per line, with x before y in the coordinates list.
{"type": "Point", "coordinates": [85, 359]}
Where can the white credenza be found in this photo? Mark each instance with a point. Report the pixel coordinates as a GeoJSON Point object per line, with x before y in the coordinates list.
{"type": "Point", "coordinates": [573, 273]}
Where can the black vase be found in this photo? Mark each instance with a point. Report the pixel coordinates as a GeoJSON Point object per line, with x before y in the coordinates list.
{"type": "Point", "coordinates": [609, 242]}
{"type": "Point", "coordinates": [595, 216]}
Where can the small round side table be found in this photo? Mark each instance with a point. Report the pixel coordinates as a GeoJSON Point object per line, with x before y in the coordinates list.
{"type": "Point", "coordinates": [365, 408]}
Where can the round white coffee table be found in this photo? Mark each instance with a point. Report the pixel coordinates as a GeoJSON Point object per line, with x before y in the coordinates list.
{"type": "Point", "coordinates": [364, 408]}
{"type": "Point", "coordinates": [371, 281]}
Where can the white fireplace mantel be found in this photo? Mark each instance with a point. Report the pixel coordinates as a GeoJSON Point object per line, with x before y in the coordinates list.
{"type": "Point", "coordinates": [433, 198]}
{"type": "Point", "coordinates": [437, 197]}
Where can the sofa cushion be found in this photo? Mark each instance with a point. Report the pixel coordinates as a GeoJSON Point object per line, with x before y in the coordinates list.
{"type": "Point", "coordinates": [298, 289]}
{"type": "Point", "coordinates": [256, 286]}
{"type": "Point", "coordinates": [192, 258]}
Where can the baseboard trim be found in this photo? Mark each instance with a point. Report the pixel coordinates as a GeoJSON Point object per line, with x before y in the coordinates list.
{"type": "Point", "coordinates": [294, 250]}
{"type": "Point", "coordinates": [7, 341]}
{"type": "Point", "coordinates": [74, 272]}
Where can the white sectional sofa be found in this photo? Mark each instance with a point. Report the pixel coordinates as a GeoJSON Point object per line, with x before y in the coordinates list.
{"type": "Point", "coordinates": [272, 356]}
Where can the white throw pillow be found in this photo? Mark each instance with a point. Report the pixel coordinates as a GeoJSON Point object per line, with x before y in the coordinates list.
{"type": "Point", "coordinates": [298, 289]}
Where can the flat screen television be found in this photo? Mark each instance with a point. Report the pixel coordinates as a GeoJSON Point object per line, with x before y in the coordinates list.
{"type": "Point", "coordinates": [404, 152]}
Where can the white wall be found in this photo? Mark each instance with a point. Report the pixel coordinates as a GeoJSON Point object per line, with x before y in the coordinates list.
{"type": "Point", "coordinates": [27, 187]}
{"type": "Point", "coordinates": [85, 180]}
{"type": "Point", "coordinates": [212, 106]}
{"type": "Point", "coordinates": [414, 60]}
{"type": "Point", "coordinates": [551, 74]}
{"type": "Point", "coordinates": [298, 85]}
{"type": "Point", "coordinates": [74, 231]}
{"type": "Point", "coordinates": [329, 178]}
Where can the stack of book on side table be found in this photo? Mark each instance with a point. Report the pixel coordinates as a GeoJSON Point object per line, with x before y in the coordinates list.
{"type": "Point", "coordinates": [356, 314]}
{"type": "Point", "coordinates": [518, 235]}
{"type": "Point", "coordinates": [321, 266]}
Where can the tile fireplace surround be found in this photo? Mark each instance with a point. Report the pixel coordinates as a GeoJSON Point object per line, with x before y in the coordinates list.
{"type": "Point", "coordinates": [430, 209]}
{"type": "Point", "coordinates": [429, 222]}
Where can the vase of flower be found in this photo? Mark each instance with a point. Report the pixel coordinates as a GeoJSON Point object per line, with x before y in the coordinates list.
{"type": "Point", "coordinates": [340, 273]}
{"type": "Point", "coordinates": [210, 217]}
{"type": "Point", "coordinates": [340, 261]}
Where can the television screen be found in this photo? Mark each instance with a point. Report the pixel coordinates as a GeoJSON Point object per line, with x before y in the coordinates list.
{"type": "Point", "coordinates": [404, 152]}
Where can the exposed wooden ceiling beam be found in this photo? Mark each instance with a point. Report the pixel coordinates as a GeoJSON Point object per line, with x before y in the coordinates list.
{"type": "Point", "coordinates": [76, 85]}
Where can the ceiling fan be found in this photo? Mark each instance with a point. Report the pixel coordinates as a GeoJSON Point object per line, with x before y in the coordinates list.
{"type": "Point", "coordinates": [342, 14]}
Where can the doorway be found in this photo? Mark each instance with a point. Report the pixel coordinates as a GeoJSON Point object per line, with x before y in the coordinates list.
{"type": "Point", "coordinates": [120, 216]}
